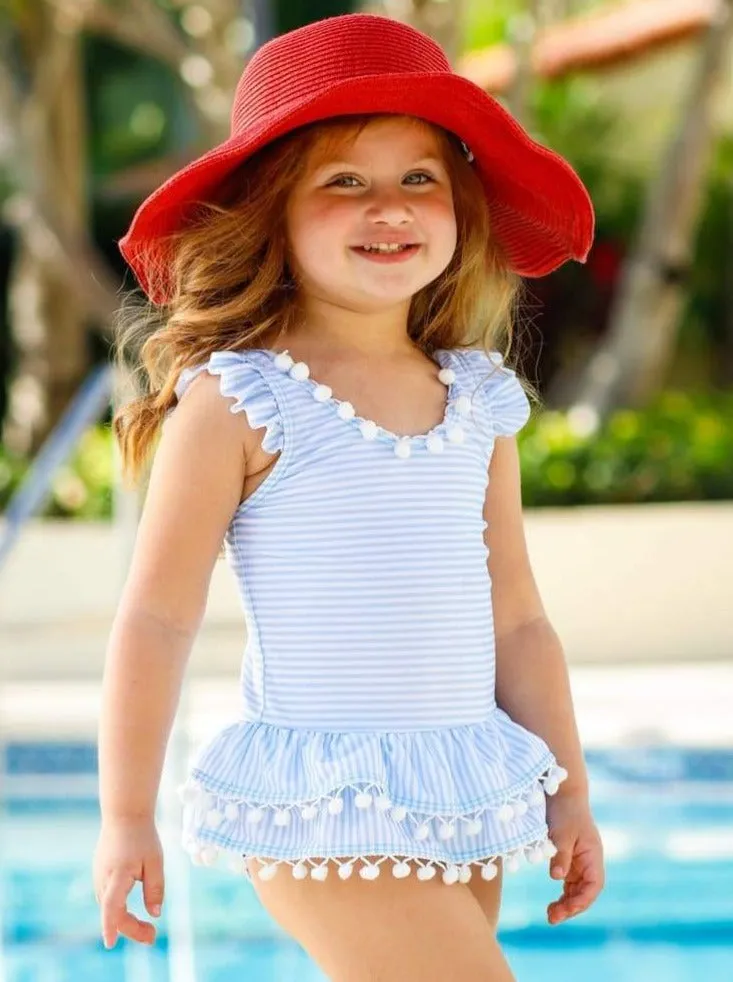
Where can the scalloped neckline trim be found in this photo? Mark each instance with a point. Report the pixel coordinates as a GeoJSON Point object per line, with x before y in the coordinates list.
{"type": "Point", "coordinates": [372, 430]}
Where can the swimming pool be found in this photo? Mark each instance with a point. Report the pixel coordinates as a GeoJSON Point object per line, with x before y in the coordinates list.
{"type": "Point", "coordinates": [666, 817]}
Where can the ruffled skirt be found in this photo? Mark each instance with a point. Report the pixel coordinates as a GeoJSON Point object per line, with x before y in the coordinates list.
{"type": "Point", "coordinates": [445, 799]}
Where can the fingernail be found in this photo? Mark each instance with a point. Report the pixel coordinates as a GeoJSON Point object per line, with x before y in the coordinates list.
{"type": "Point", "coordinates": [155, 910]}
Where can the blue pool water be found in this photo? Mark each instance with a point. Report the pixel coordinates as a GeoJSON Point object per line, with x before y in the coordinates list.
{"type": "Point", "coordinates": [666, 817]}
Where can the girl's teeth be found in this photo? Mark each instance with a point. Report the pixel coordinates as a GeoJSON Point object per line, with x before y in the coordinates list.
{"type": "Point", "coordinates": [383, 248]}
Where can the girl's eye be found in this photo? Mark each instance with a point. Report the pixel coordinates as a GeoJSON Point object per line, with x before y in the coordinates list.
{"type": "Point", "coordinates": [421, 173]}
{"type": "Point", "coordinates": [350, 177]}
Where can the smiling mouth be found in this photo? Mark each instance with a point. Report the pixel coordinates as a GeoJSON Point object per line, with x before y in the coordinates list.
{"type": "Point", "coordinates": [401, 251]}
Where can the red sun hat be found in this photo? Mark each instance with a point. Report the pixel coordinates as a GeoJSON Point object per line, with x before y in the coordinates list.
{"type": "Point", "coordinates": [540, 211]}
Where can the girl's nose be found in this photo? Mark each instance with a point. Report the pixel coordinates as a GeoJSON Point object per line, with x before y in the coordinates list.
{"type": "Point", "coordinates": [390, 206]}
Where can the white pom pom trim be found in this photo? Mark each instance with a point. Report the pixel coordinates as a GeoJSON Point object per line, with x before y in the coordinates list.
{"type": "Point", "coordinates": [369, 867]}
{"type": "Point", "coordinates": [402, 446]}
{"type": "Point", "coordinates": [209, 813]}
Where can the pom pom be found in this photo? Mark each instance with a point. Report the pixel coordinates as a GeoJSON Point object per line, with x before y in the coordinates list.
{"type": "Point", "coordinates": [363, 800]}
{"type": "Point", "coordinates": [346, 411]}
{"type": "Point", "coordinates": [456, 434]}
{"type": "Point", "coordinates": [537, 796]}
{"type": "Point", "coordinates": [447, 831]}
{"type": "Point", "coordinates": [489, 871]}
{"type": "Point", "coordinates": [214, 818]}
{"type": "Point", "coordinates": [399, 812]}
{"type": "Point", "coordinates": [464, 874]}
{"type": "Point", "coordinates": [369, 871]}
{"type": "Point", "coordinates": [534, 855]}
{"type": "Point", "coordinates": [402, 448]}
{"type": "Point", "coordinates": [231, 812]}
{"type": "Point", "coordinates": [434, 443]}
{"type": "Point", "coordinates": [308, 812]}
{"type": "Point", "coordinates": [369, 429]}
{"type": "Point", "coordinates": [382, 803]}
{"type": "Point", "coordinates": [520, 808]}
{"type": "Point", "coordinates": [267, 872]}
{"type": "Point", "coordinates": [559, 773]}
{"type": "Point", "coordinates": [300, 371]}
{"type": "Point", "coordinates": [345, 870]}
{"type": "Point", "coordinates": [549, 849]}
{"type": "Point", "coordinates": [319, 872]}
{"type": "Point", "coordinates": [401, 870]}
{"type": "Point", "coordinates": [282, 817]}
{"type": "Point", "coordinates": [322, 393]}
{"type": "Point", "coordinates": [237, 865]}
{"type": "Point", "coordinates": [335, 806]}
{"type": "Point", "coordinates": [283, 361]}
{"type": "Point", "coordinates": [474, 826]}
{"type": "Point", "coordinates": [551, 785]}
{"type": "Point", "coordinates": [188, 793]}
{"type": "Point", "coordinates": [209, 854]}
{"type": "Point", "coordinates": [426, 872]}
{"type": "Point", "coordinates": [422, 832]}
{"type": "Point", "coordinates": [255, 816]}
{"type": "Point", "coordinates": [451, 875]}
{"type": "Point", "coordinates": [505, 813]}
{"type": "Point", "coordinates": [447, 376]}
{"type": "Point", "coordinates": [463, 405]}
{"type": "Point", "coordinates": [511, 863]}
{"type": "Point", "coordinates": [300, 871]}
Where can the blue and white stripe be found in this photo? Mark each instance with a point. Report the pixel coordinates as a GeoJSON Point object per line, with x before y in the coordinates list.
{"type": "Point", "coordinates": [370, 660]}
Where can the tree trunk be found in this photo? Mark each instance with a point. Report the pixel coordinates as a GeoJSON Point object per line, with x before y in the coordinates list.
{"type": "Point", "coordinates": [631, 362]}
{"type": "Point", "coordinates": [46, 316]}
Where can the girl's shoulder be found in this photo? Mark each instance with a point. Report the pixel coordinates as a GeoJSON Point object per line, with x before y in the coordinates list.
{"type": "Point", "coordinates": [244, 379]}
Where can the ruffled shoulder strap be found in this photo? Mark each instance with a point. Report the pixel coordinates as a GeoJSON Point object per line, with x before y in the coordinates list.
{"type": "Point", "coordinates": [240, 379]}
{"type": "Point", "coordinates": [498, 389]}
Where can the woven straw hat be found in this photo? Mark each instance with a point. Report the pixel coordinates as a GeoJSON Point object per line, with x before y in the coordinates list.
{"type": "Point", "coordinates": [540, 211]}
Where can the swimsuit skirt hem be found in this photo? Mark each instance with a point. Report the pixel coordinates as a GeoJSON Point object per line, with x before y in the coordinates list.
{"type": "Point", "coordinates": [452, 795]}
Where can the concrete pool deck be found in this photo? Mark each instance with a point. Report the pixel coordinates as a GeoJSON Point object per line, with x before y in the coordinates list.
{"type": "Point", "coordinates": [640, 596]}
{"type": "Point", "coordinates": [627, 584]}
{"type": "Point", "coordinates": [624, 705]}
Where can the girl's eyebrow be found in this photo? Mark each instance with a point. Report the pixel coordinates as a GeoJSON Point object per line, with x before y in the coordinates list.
{"type": "Point", "coordinates": [346, 163]}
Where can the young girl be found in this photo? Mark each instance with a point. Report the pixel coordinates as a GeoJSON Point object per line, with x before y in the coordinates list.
{"type": "Point", "coordinates": [333, 282]}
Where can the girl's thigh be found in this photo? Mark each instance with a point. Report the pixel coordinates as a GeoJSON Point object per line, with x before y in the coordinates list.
{"type": "Point", "coordinates": [488, 894]}
{"type": "Point", "coordinates": [385, 930]}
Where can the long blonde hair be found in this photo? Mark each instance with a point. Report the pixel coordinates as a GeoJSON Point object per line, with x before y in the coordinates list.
{"type": "Point", "coordinates": [229, 282]}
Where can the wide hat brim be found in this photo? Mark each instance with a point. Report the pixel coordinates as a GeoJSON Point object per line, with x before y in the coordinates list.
{"type": "Point", "coordinates": [541, 213]}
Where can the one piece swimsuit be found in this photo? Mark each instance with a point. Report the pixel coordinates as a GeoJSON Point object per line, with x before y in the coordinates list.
{"type": "Point", "coordinates": [369, 737]}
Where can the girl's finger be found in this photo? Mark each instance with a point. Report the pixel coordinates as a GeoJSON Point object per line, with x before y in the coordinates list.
{"type": "Point", "coordinates": [587, 891]}
{"type": "Point", "coordinates": [560, 863]}
{"type": "Point", "coordinates": [113, 904]}
{"type": "Point", "coordinates": [153, 885]}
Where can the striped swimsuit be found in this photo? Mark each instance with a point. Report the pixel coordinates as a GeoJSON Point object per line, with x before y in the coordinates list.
{"type": "Point", "coordinates": [369, 737]}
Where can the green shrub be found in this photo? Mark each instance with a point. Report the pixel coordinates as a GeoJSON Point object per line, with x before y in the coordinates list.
{"type": "Point", "coordinates": [680, 448]}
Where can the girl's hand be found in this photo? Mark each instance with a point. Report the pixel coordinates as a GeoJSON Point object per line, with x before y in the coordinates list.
{"type": "Point", "coordinates": [579, 859]}
{"type": "Point", "coordinates": [128, 850]}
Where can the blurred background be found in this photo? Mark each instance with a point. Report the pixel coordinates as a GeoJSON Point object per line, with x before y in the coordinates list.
{"type": "Point", "coordinates": [627, 467]}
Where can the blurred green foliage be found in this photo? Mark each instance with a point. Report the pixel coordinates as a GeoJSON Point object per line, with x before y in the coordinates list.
{"type": "Point", "coordinates": [678, 449]}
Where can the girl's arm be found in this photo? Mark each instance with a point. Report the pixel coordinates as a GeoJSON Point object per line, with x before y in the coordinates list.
{"type": "Point", "coordinates": [533, 688]}
{"type": "Point", "coordinates": [195, 485]}
{"type": "Point", "coordinates": [532, 683]}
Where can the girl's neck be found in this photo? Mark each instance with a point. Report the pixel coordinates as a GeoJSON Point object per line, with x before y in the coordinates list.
{"type": "Point", "coordinates": [348, 333]}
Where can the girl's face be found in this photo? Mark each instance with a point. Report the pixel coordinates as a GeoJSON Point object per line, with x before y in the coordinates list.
{"type": "Point", "coordinates": [390, 185]}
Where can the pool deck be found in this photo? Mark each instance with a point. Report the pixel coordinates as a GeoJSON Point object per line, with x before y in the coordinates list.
{"type": "Point", "coordinates": [639, 595]}
{"type": "Point", "coordinates": [630, 584]}
{"type": "Point", "coordinates": [627, 705]}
